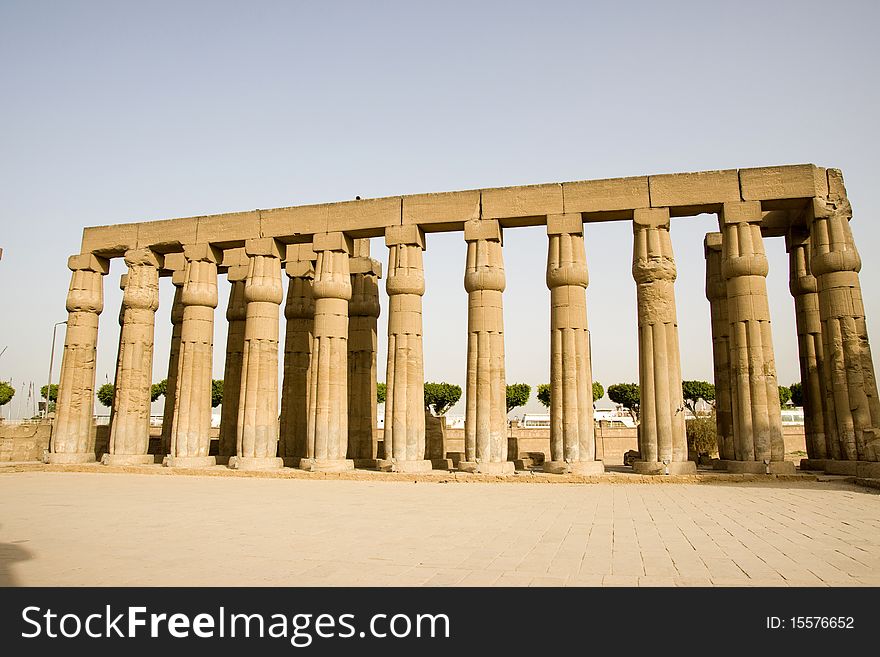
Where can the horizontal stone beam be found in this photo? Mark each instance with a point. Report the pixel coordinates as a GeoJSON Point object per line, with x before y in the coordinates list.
{"type": "Point", "coordinates": [778, 188]}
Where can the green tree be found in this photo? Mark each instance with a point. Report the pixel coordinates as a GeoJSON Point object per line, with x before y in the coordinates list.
{"type": "Point", "coordinates": [158, 389]}
{"type": "Point", "coordinates": [53, 392]}
{"type": "Point", "coordinates": [216, 392]}
{"type": "Point", "coordinates": [694, 391]}
{"type": "Point", "coordinates": [518, 395]}
{"type": "Point", "coordinates": [105, 394]}
{"type": "Point", "coordinates": [7, 392]}
{"type": "Point", "coordinates": [797, 393]}
{"type": "Point", "coordinates": [440, 397]}
{"type": "Point", "coordinates": [544, 394]}
{"type": "Point", "coordinates": [381, 392]}
{"type": "Point", "coordinates": [627, 395]}
{"type": "Point", "coordinates": [784, 395]}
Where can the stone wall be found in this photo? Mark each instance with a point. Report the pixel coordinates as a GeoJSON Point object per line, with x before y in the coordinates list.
{"type": "Point", "coordinates": [23, 442]}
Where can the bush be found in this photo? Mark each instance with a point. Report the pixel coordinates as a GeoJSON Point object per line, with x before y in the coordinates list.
{"type": "Point", "coordinates": [7, 392]}
{"type": "Point", "coordinates": [216, 392]}
{"type": "Point", "coordinates": [381, 392]}
{"type": "Point", "coordinates": [702, 438]}
{"type": "Point", "coordinates": [627, 395]}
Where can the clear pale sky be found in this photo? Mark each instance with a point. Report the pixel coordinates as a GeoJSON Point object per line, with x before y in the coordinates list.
{"type": "Point", "coordinates": [125, 111]}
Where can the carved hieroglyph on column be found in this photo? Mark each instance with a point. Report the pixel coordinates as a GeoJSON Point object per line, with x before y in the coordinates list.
{"type": "Point", "coordinates": [177, 279]}
{"type": "Point", "coordinates": [716, 293]}
{"type": "Point", "coordinates": [662, 442]}
{"type": "Point", "coordinates": [236, 316]}
{"type": "Point", "coordinates": [485, 424]}
{"type": "Point", "coordinates": [257, 436]}
{"type": "Point", "coordinates": [572, 436]}
{"type": "Point", "coordinates": [363, 313]}
{"type": "Point", "coordinates": [802, 285]}
{"type": "Point", "coordinates": [404, 429]}
{"type": "Point", "coordinates": [757, 417]}
{"type": "Point", "coordinates": [849, 370]}
{"type": "Point", "coordinates": [328, 378]}
{"type": "Point", "coordinates": [72, 440]}
{"type": "Point", "coordinates": [300, 314]}
{"type": "Point", "coordinates": [130, 428]}
{"type": "Point", "coordinates": [191, 425]}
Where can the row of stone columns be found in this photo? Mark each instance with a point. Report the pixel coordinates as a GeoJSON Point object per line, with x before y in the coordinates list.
{"type": "Point", "coordinates": [841, 410]}
{"type": "Point", "coordinates": [327, 412]}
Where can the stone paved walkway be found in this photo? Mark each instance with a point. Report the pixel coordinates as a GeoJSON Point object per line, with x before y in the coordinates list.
{"type": "Point", "coordinates": [122, 529]}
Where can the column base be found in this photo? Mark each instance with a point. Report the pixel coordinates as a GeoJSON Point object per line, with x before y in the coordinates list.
{"type": "Point", "coordinates": [442, 464]}
{"type": "Point", "coordinates": [868, 470]}
{"type": "Point", "coordinates": [128, 459]}
{"type": "Point", "coordinates": [411, 466]}
{"type": "Point", "coordinates": [840, 467]}
{"type": "Point", "coordinates": [455, 457]}
{"type": "Point", "coordinates": [222, 459]}
{"type": "Point", "coordinates": [492, 467]}
{"type": "Point", "coordinates": [813, 464]}
{"type": "Point", "coordinates": [189, 461]}
{"type": "Point", "coordinates": [658, 468]}
{"type": "Point", "coordinates": [255, 463]}
{"type": "Point", "coordinates": [466, 466]}
{"type": "Point", "coordinates": [326, 465]}
{"type": "Point", "coordinates": [366, 464]}
{"type": "Point", "coordinates": [759, 467]}
{"type": "Point", "coordinates": [586, 468]}
{"type": "Point", "coordinates": [70, 457]}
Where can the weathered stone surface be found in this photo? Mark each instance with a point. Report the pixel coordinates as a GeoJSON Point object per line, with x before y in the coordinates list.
{"type": "Point", "coordinates": [485, 394]}
{"type": "Point", "coordinates": [661, 434]}
{"type": "Point", "coordinates": [716, 293]}
{"type": "Point", "coordinates": [572, 440]}
{"type": "Point", "coordinates": [405, 415]}
{"type": "Point", "coordinates": [757, 417]}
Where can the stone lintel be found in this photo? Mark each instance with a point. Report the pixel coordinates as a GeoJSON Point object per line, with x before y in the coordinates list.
{"type": "Point", "coordinates": [570, 223]}
{"type": "Point", "coordinates": [263, 246]}
{"type": "Point", "coordinates": [89, 262]}
{"type": "Point", "coordinates": [335, 241]}
{"type": "Point", "coordinates": [694, 189]}
{"type": "Point", "coordinates": [444, 208]}
{"type": "Point", "coordinates": [298, 252]}
{"type": "Point", "coordinates": [602, 196]}
{"type": "Point", "coordinates": [482, 229]}
{"type": "Point", "coordinates": [783, 182]}
{"type": "Point", "coordinates": [742, 212]}
{"type": "Point", "coordinates": [524, 201]}
{"type": "Point", "coordinates": [234, 257]}
{"type": "Point", "coordinates": [795, 237]}
{"type": "Point", "coordinates": [405, 235]}
{"type": "Point", "coordinates": [650, 217]}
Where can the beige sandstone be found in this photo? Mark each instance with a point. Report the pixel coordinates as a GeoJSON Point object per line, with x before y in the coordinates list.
{"type": "Point", "coordinates": [328, 392]}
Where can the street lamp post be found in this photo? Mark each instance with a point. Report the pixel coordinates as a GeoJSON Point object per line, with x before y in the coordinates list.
{"type": "Point", "coordinates": [51, 363]}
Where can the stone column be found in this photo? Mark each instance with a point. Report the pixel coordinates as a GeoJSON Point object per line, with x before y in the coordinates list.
{"type": "Point", "coordinates": [662, 441]}
{"type": "Point", "coordinates": [849, 369]}
{"type": "Point", "coordinates": [404, 432]}
{"type": "Point", "coordinates": [328, 379]}
{"type": "Point", "coordinates": [572, 438]}
{"type": "Point", "coordinates": [236, 316]}
{"type": "Point", "coordinates": [130, 428]}
{"type": "Point", "coordinates": [257, 435]}
{"type": "Point", "coordinates": [716, 293]}
{"type": "Point", "coordinates": [177, 279]}
{"type": "Point", "coordinates": [72, 439]}
{"type": "Point", "coordinates": [363, 313]}
{"type": "Point", "coordinates": [191, 424]}
{"type": "Point", "coordinates": [757, 419]}
{"type": "Point", "coordinates": [300, 314]}
{"type": "Point", "coordinates": [802, 285]}
{"type": "Point", "coordinates": [485, 425]}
